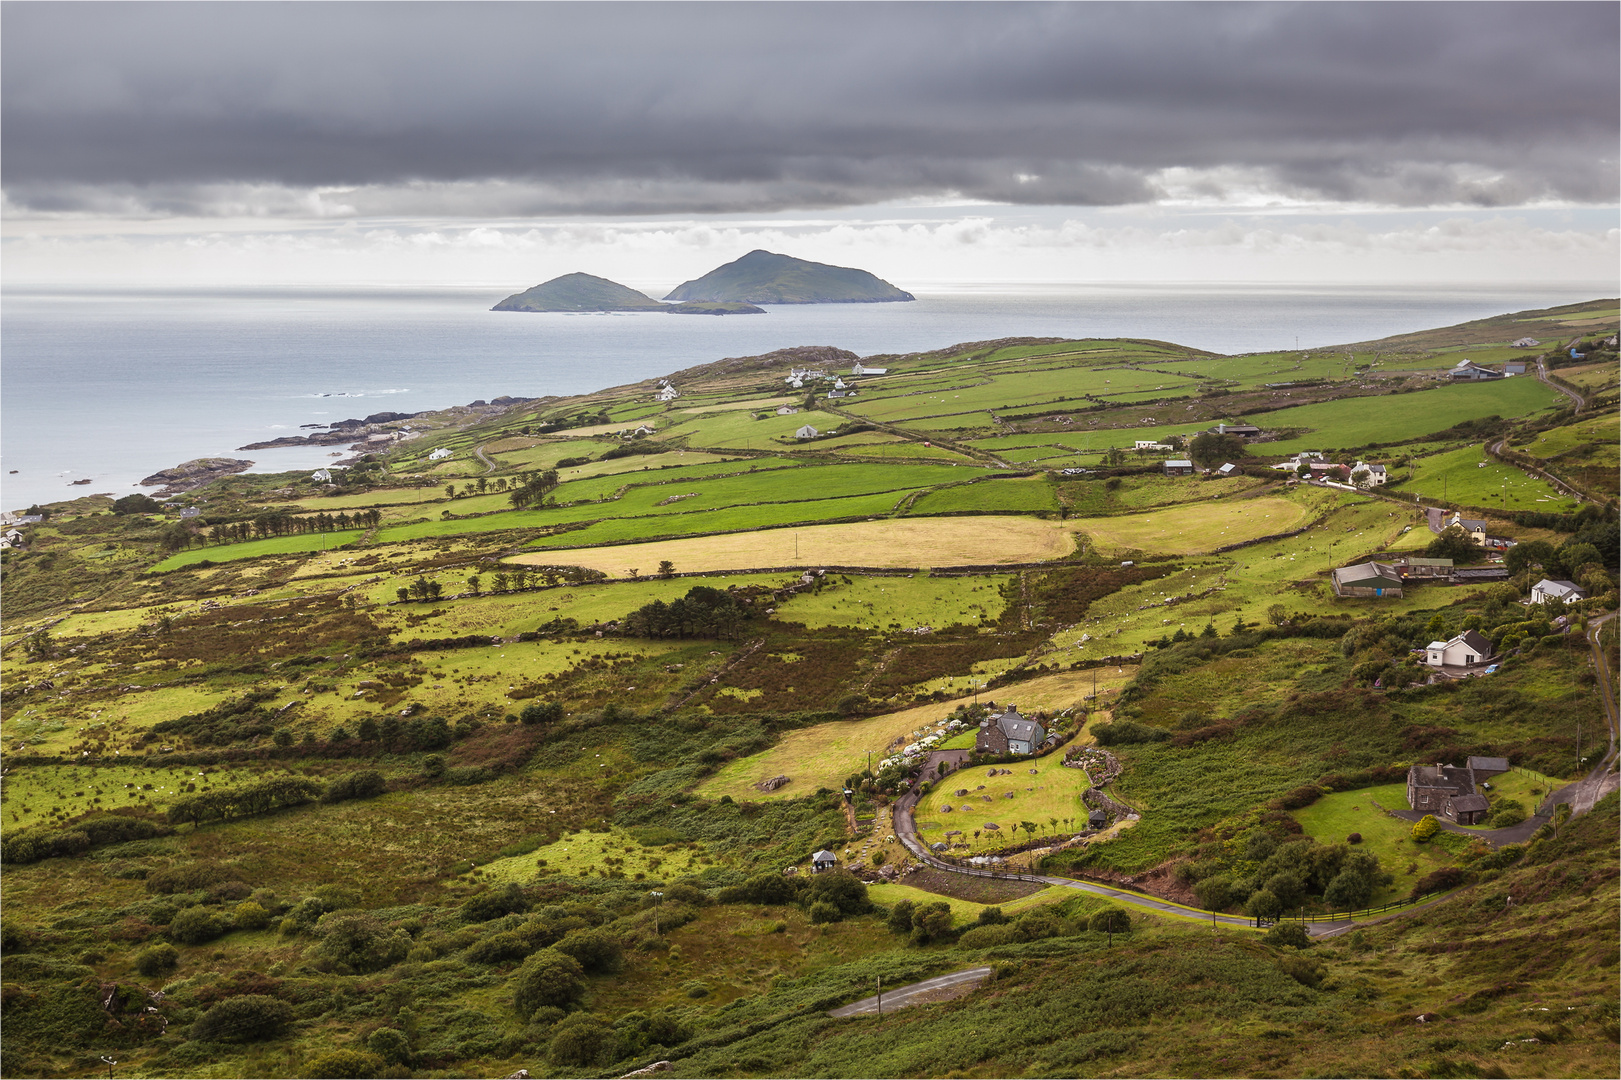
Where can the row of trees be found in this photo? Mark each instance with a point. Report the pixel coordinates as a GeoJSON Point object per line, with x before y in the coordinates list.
{"type": "Point", "coordinates": [704, 612]}
{"type": "Point", "coordinates": [246, 801]}
{"type": "Point", "coordinates": [281, 523]}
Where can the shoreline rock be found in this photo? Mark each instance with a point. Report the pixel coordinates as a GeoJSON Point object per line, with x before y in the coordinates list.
{"type": "Point", "coordinates": [194, 473]}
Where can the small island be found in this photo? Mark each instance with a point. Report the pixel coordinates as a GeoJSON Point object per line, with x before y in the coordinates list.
{"type": "Point", "coordinates": [764, 277]}
{"type": "Point", "coordinates": [589, 293]}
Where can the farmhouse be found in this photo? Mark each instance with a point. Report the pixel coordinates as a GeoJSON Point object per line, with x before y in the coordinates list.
{"type": "Point", "coordinates": [439, 455]}
{"type": "Point", "coordinates": [862, 369]}
{"type": "Point", "coordinates": [1009, 733]}
{"type": "Point", "coordinates": [1473, 526]}
{"type": "Point", "coordinates": [322, 475]}
{"type": "Point", "coordinates": [1367, 579]}
{"type": "Point", "coordinates": [787, 410]}
{"type": "Point", "coordinates": [1549, 589]}
{"type": "Point", "coordinates": [1151, 444]}
{"type": "Point", "coordinates": [1526, 343]}
{"type": "Point", "coordinates": [13, 538]}
{"type": "Point", "coordinates": [1178, 467]}
{"type": "Point", "coordinates": [1467, 370]}
{"type": "Point", "coordinates": [1447, 792]}
{"type": "Point", "coordinates": [667, 393]}
{"type": "Point", "coordinates": [806, 432]}
{"type": "Point", "coordinates": [1377, 475]}
{"type": "Point", "coordinates": [1467, 648]}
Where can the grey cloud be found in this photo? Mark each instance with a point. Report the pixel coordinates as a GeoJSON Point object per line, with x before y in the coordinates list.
{"type": "Point", "coordinates": [681, 108]}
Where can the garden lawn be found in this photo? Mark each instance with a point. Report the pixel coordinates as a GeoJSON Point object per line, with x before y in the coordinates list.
{"type": "Point", "coordinates": [1334, 817]}
{"type": "Point", "coordinates": [1053, 792]}
{"type": "Point", "coordinates": [824, 755]}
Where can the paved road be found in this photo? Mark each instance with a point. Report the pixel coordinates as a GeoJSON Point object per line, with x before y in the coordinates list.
{"type": "Point", "coordinates": [1518, 834]}
{"type": "Point", "coordinates": [1542, 373]}
{"type": "Point", "coordinates": [927, 992]}
{"type": "Point", "coordinates": [478, 452]}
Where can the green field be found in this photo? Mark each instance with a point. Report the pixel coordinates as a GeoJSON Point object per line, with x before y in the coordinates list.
{"type": "Point", "coordinates": [1468, 476]}
{"type": "Point", "coordinates": [1349, 422]}
{"type": "Point", "coordinates": [1023, 495]}
{"type": "Point", "coordinates": [1053, 791]}
{"type": "Point", "coordinates": [910, 601]}
{"type": "Point", "coordinates": [276, 545]}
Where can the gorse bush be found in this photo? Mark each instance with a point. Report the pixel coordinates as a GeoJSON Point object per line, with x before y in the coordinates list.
{"type": "Point", "coordinates": [196, 925]}
{"type": "Point", "coordinates": [548, 978]}
{"type": "Point", "coordinates": [243, 1019]}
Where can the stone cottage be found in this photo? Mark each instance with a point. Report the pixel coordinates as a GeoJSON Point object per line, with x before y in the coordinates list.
{"type": "Point", "coordinates": [1009, 733]}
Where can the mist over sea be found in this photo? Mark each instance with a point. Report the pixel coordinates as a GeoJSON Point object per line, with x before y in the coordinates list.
{"type": "Point", "coordinates": [112, 385]}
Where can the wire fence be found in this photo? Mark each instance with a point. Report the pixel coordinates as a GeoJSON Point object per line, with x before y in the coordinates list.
{"type": "Point", "coordinates": [1344, 916]}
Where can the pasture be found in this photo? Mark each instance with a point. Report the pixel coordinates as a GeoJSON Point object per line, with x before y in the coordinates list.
{"type": "Point", "coordinates": [1350, 422]}
{"type": "Point", "coordinates": [1189, 529]}
{"type": "Point", "coordinates": [1017, 495]}
{"type": "Point", "coordinates": [909, 601]}
{"type": "Point", "coordinates": [1332, 818]}
{"type": "Point", "coordinates": [594, 854]}
{"type": "Point", "coordinates": [824, 755]}
{"type": "Point", "coordinates": [911, 542]}
{"type": "Point", "coordinates": [276, 545]}
{"type": "Point", "coordinates": [1468, 476]}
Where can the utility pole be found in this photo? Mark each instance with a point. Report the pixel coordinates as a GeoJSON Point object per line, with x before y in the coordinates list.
{"type": "Point", "coordinates": [880, 995]}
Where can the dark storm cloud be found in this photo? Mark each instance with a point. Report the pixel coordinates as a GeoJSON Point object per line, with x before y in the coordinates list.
{"type": "Point", "coordinates": [622, 108]}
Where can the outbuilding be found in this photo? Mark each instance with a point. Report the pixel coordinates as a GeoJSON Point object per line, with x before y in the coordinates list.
{"type": "Point", "coordinates": [1373, 579]}
{"type": "Point", "coordinates": [823, 860]}
{"type": "Point", "coordinates": [1178, 467]}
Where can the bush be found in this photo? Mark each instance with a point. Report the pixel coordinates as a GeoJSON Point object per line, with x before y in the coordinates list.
{"type": "Point", "coordinates": [390, 1044]}
{"type": "Point", "coordinates": [597, 951]}
{"type": "Point", "coordinates": [1425, 828]}
{"type": "Point", "coordinates": [1289, 933]}
{"type": "Point", "coordinates": [196, 925]}
{"type": "Point", "coordinates": [1448, 877]}
{"type": "Point", "coordinates": [1215, 893]}
{"type": "Point", "coordinates": [250, 916]}
{"type": "Point", "coordinates": [931, 922]}
{"type": "Point", "coordinates": [1508, 813]}
{"type": "Point", "coordinates": [344, 1065]}
{"type": "Point", "coordinates": [1301, 969]}
{"type": "Point", "coordinates": [992, 916]}
{"type": "Point", "coordinates": [1126, 733]}
{"type": "Point", "coordinates": [1354, 838]}
{"type": "Point", "coordinates": [356, 785]}
{"type": "Point", "coordinates": [841, 888]}
{"type": "Point", "coordinates": [548, 978]}
{"type": "Point", "coordinates": [1111, 921]}
{"type": "Point", "coordinates": [505, 900]}
{"type": "Point", "coordinates": [156, 960]}
{"type": "Point", "coordinates": [824, 912]}
{"type": "Point", "coordinates": [1263, 905]}
{"type": "Point", "coordinates": [900, 917]}
{"type": "Point", "coordinates": [242, 1019]}
{"type": "Point", "coordinates": [580, 1040]}
{"type": "Point", "coordinates": [359, 942]}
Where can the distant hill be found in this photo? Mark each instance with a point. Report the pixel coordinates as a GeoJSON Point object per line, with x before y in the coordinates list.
{"type": "Point", "coordinates": [579, 292]}
{"type": "Point", "coordinates": [762, 277]}
{"type": "Point", "coordinates": [584, 292]}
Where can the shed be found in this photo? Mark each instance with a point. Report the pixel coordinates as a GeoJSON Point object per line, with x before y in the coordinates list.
{"type": "Point", "coordinates": [1418, 567]}
{"type": "Point", "coordinates": [1367, 579]}
{"type": "Point", "coordinates": [1243, 431]}
{"type": "Point", "coordinates": [806, 432]}
{"type": "Point", "coordinates": [1097, 819]}
{"type": "Point", "coordinates": [1178, 467]}
{"type": "Point", "coordinates": [823, 860]}
{"type": "Point", "coordinates": [1229, 469]}
{"type": "Point", "coordinates": [1483, 767]}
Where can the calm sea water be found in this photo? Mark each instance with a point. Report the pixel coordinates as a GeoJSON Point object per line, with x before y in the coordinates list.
{"type": "Point", "coordinates": [113, 385]}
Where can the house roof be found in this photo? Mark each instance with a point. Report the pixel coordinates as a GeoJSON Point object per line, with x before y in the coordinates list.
{"type": "Point", "coordinates": [1464, 804]}
{"type": "Point", "coordinates": [1557, 587]}
{"type": "Point", "coordinates": [1178, 463]}
{"type": "Point", "coordinates": [824, 856]}
{"type": "Point", "coordinates": [1472, 524]}
{"type": "Point", "coordinates": [1473, 640]}
{"type": "Point", "coordinates": [1489, 764]}
{"type": "Point", "coordinates": [1368, 571]}
{"type": "Point", "coordinates": [1436, 645]}
{"type": "Point", "coordinates": [1416, 561]}
{"type": "Point", "coordinates": [1017, 727]}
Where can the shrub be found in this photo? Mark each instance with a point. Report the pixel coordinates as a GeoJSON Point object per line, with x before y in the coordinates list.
{"type": "Point", "coordinates": [196, 925]}
{"type": "Point", "coordinates": [1354, 838]}
{"type": "Point", "coordinates": [356, 785]}
{"type": "Point", "coordinates": [1215, 893]}
{"type": "Point", "coordinates": [824, 912]}
{"type": "Point", "coordinates": [156, 960]}
{"type": "Point", "coordinates": [1425, 828]}
{"type": "Point", "coordinates": [597, 951]}
{"type": "Point", "coordinates": [1289, 933]}
{"type": "Point", "coordinates": [841, 888]}
{"type": "Point", "coordinates": [992, 916]}
{"type": "Point", "coordinates": [931, 922]}
{"type": "Point", "coordinates": [900, 917]}
{"type": "Point", "coordinates": [1447, 877]}
{"type": "Point", "coordinates": [1263, 905]}
{"type": "Point", "coordinates": [359, 942]}
{"type": "Point", "coordinates": [250, 916]}
{"type": "Point", "coordinates": [505, 900]}
{"type": "Point", "coordinates": [501, 948]}
{"type": "Point", "coordinates": [1508, 813]}
{"type": "Point", "coordinates": [243, 1019]}
{"type": "Point", "coordinates": [390, 1044]}
{"type": "Point", "coordinates": [580, 1040]}
{"type": "Point", "coordinates": [1111, 921]}
{"type": "Point", "coordinates": [344, 1065]}
{"type": "Point", "coordinates": [1301, 969]}
{"type": "Point", "coordinates": [1127, 732]}
{"type": "Point", "coordinates": [548, 978]}
{"type": "Point", "coordinates": [988, 937]}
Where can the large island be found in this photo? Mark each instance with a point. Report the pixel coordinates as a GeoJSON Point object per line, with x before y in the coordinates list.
{"type": "Point", "coordinates": [764, 277]}
{"type": "Point", "coordinates": [589, 293]}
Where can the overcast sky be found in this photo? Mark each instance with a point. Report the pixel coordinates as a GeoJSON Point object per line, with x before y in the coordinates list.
{"type": "Point", "coordinates": [473, 142]}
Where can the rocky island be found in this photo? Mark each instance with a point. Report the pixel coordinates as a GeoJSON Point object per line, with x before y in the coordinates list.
{"type": "Point", "coordinates": [764, 277]}
{"type": "Point", "coordinates": [589, 293]}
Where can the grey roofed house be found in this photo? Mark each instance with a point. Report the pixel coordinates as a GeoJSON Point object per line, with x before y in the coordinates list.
{"type": "Point", "coordinates": [1446, 792]}
{"type": "Point", "coordinates": [1487, 766]}
{"type": "Point", "coordinates": [1009, 733]}
{"type": "Point", "coordinates": [1367, 579]}
{"type": "Point", "coordinates": [824, 860]}
{"type": "Point", "coordinates": [806, 432]}
{"type": "Point", "coordinates": [1551, 589]}
{"type": "Point", "coordinates": [1473, 805]}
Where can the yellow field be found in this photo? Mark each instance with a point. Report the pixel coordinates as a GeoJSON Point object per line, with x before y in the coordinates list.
{"type": "Point", "coordinates": [752, 403]}
{"type": "Point", "coordinates": [913, 542]}
{"type": "Point", "coordinates": [1189, 529]}
{"type": "Point", "coordinates": [822, 756]}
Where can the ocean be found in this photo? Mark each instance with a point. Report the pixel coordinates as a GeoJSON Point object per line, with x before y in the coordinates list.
{"type": "Point", "coordinates": [112, 385]}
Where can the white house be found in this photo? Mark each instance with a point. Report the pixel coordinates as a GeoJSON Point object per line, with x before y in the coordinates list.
{"type": "Point", "coordinates": [322, 475]}
{"type": "Point", "coordinates": [667, 393]}
{"type": "Point", "coordinates": [806, 432]}
{"type": "Point", "coordinates": [13, 538]}
{"type": "Point", "coordinates": [1526, 343]}
{"type": "Point", "coordinates": [862, 369]}
{"type": "Point", "coordinates": [1150, 444]}
{"type": "Point", "coordinates": [838, 383]}
{"type": "Point", "coordinates": [1377, 476]}
{"type": "Point", "coordinates": [795, 382]}
{"type": "Point", "coordinates": [1468, 370]}
{"type": "Point", "coordinates": [1465, 649]}
{"type": "Point", "coordinates": [1549, 589]}
{"type": "Point", "coordinates": [787, 410]}
{"type": "Point", "coordinates": [1473, 526]}
{"type": "Point", "coordinates": [440, 454]}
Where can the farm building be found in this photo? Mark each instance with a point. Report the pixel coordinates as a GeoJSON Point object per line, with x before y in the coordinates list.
{"type": "Point", "coordinates": [1549, 589]}
{"type": "Point", "coordinates": [1517, 367]}
{"type": "Point", "coordinates": [1178, 467]}
{"type": "Point", "coordinates": [1009, 733]}
{"type": "Point", "coordinates": [1464, 650]}
{"type": "Point", "coordinates": [1484, 767]}
{"type": "Point", "coordinates": [1150, 444]}
{"type": "Point", "coordinates": [1229, 469]}
{"type": "Point", "coordinates": [1475, 527]}
{"type": "Point", "coordinates": [787, 410]}
{"type": "Point", "coordinates": [823, 860]}
{"type": "Point", "coordinates": [1467, 370]}
{"type": "Point", "coordinates": [439, 455]}
{"type": "Point", "coordinates": [806, 432]}
{"type": "Point", "coordinates": [1416, 567]}
{"type": "Point", "coordinates": [1367, 579]}
{"type": "Point", "coordinates": [862, 369]}
{"type": "Point", "coordinates": [1526, 343]}
{"type": "Point", "coordinates": [1447, 792]}
{"type": "Point", "coordinates": [1243, 431]}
